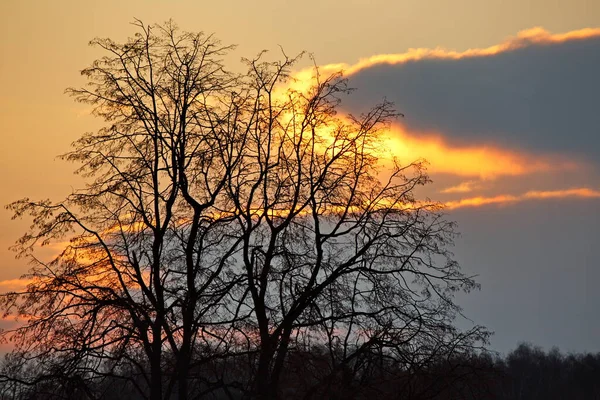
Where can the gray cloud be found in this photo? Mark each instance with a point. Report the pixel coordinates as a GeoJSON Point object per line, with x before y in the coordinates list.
{"type": "Point", "coordinates": [542, 97]}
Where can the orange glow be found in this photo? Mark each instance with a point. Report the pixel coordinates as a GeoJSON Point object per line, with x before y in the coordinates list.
{"type": "Point", "coordinates": [485, 162]}
{"type": "Point", "coordinates": [481, 161]}
{"type": "Point", "coordinates": [531, 195]}
{"type": "Point", "coordinates": [462, 187]}
{"type": "Point", "coordinates": [553, 194]}
{"type": "Point", "coordinates": [18, 284]}
{"type": "Point", "coordinates": [480, 201]}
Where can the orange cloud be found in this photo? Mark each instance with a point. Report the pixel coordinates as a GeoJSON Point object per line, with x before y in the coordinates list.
{"type": "Point", "coordinates": [483, 161]}
{"type": "Point", "coordinates": [536, 35]}
{"type": "Point", "coordinates": [18, 284]}
{"type": "Point", "coordinates": [553, 194]}
{"type": "Point", "coordinates": [463, 187]}
{"type": "Point", "coordinates": [531, 195]}
{"type": "Point", "coordinates": [480, 201]}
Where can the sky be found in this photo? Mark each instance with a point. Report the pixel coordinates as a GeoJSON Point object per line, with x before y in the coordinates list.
{"type": "Point", "coordinates": [501, 97]}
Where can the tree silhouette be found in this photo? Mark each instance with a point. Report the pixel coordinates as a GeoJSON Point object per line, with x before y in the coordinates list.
{"type": "Point", "coordinates": [231, 225]}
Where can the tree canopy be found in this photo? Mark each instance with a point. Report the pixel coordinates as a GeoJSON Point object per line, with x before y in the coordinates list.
{"type": "Point", "coordinates": [231, 225]}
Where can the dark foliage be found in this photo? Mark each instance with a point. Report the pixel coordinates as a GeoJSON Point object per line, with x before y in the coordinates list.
{"type": "Point", "coordinates": [527, 373]}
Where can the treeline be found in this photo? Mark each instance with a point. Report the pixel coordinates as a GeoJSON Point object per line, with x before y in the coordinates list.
{"type": "Point", "coordinates": [526, 373]}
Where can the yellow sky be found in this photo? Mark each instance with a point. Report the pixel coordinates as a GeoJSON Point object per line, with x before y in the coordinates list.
{"type": "Point", "coordinates": [43, 45]}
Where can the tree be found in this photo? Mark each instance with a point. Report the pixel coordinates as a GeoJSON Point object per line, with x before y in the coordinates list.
{"type": "Point", "coordinates": [229, 223]}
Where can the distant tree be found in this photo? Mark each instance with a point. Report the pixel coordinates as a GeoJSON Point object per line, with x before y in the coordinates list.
{"type": "Point", "coordinates": [230, 226]}
{"type": "Point", "coordinates": [528, 372]}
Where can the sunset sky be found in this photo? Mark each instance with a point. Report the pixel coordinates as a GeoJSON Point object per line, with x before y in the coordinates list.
{"type": "Point", "coordinates": [501, 97]}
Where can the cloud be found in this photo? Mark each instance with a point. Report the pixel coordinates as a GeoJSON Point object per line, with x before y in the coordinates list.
{"type": "Point", "coordinates": [462, 187]}
{"type": "Point", "coordinates": [481, 161]}
{"type": "Point", "coordinates": [552, 194]}
{"type": "Point", "coordinates": [7, 285]}
{"type": "Point", "coordinates": [523, 110]}
{"type": "Point", "coordinates": [525, 38]}
{"type": "Point", "coordinates": [506, 199]}
{"type": "Point", "coordinates": [537, 92]}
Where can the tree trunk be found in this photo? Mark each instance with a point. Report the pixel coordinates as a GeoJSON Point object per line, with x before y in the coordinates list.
{"type": "Point", "coordinates": [264, 388]}
{"type": "Point", "coordinates": [183, 372]}
{"type": "Point", "coordinates": [156, 389]}
{"type": "Point", "coordinates": [155, 378]}
{"type": "Point", "coordinates": [281, 357]}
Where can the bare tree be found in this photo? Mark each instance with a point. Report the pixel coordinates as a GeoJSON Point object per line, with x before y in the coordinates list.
{"type": "Point", "coordinates": [138, 272]}
{"type": "Point", "coordinates": [229, 223]}
{"type": "Point", "coordinates": [332, 254]}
